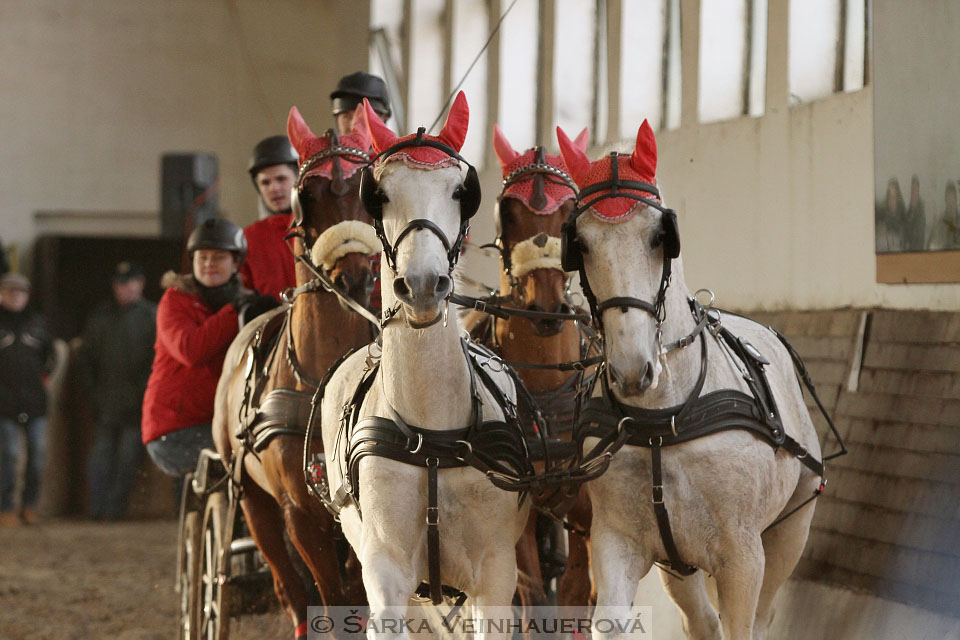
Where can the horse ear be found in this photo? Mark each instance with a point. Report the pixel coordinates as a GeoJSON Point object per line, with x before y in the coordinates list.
{"type": "Point", "coordinates": [582, 139]}
{"type": "Point", "coordinates": [297, 130]}
{"type": "Point", "coordinates": [505, 151]}
{"type": "Point", "coordinates": [358, 127]}
{"type": "Point", "coordinates": [454, 130]}
{"type": "Point", "coordinates": [644, 158]}
{"type": "Point", "coordinates": [380, 134]}
{"type": "Point", "coordinates": [573, 156]}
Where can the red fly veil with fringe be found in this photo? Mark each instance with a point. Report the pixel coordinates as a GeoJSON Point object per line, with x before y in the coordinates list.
{"type": "Point", "coordinates": [308, 145]}
{"type": "Point", "coordinates": [554, 193]}
{"type": "Point", "coordinates": [640, 166]}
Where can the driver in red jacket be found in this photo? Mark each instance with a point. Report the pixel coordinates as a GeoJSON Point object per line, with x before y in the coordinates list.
{"type": "Point", "coordinates": [197, 319]}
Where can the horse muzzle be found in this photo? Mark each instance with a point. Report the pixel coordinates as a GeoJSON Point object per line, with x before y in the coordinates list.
{"type": "Point", "coordinates": [422, 296]}
{"type": "Point", "coordinates": [633, 383]}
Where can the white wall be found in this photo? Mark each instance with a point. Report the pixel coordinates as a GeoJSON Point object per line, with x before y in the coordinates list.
{"type": "Point", "coordinates": [92, 93]}
{"type": "Point", "coordinates": [777, 211]}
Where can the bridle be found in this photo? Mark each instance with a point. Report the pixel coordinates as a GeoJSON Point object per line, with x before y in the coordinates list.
{"type": "Point", "coordinates": [373, 198]}
{"type": "Point", "coordinates": [572, 248]}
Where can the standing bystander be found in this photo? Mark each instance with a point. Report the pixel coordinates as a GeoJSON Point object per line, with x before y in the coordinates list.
{"type": "Point", "coordinates": [115, 364]}
{"type": "Point", "coordinates": [26, 356]}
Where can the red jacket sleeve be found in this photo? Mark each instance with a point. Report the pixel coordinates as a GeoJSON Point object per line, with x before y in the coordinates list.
{"type": "Point", "coordinates": [189, 338]}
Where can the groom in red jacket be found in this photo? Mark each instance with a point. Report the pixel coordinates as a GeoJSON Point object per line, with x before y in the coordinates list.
{"type": "Point", "coordinates": [269, 267]}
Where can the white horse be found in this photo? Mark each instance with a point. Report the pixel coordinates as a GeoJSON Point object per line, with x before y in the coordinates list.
{"type": "Point", "coordinates": [424, 379]}
{"type": "Point", "coordinates": [721, 490]}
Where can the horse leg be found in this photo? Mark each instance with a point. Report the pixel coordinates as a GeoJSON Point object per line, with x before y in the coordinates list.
{"type": "Point", "coordinates": [530, 580]}
{"type": "Point", "coordinates": [390, 581]}
{"type": "Point", "coordinates": [266, 526]}
{"type": "Point", "coordinates": [618, 566]}
{"type": "Point", "coordinates": [700, 620]}
{"type": "Point", "coordinates": [574, 588]}
{"type": "Point", "coordinates": [739, 576]}
{"type": "Point", "coordinates": [782, 548]}
{"type": "Point", "coordinates": [495, 591]}
{"type": "Point", "coordinates": [311, 530]}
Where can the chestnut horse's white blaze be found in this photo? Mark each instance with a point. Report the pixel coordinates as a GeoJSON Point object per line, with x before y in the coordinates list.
{"type": "Point", "coordinates": [424, 377]}
{"type": "Point", "coordinates": [721, 490]}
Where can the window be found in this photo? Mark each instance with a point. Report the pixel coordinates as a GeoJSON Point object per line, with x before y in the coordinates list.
{"type": "Point", "coordinates": [518, 73]}
{"type": "Point", "coordinates": [573, 63]}
{"type": "Point", "coordinates": [723, 59]}
{"type": "Point", "coordinates": [814, 40]}
{"type": "Point", "coordinates": [426, 85]}
{"type": "Point", "coordinates": [469, 35]}
{"type": "Point", "coordinates": [643, 36]}
{"type": "Point", "coordinates": [386, 21]}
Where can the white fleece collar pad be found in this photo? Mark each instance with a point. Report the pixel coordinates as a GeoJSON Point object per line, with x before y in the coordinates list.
{"type": "Point", "coordinates": [539, 252]}
{"type": "Point", "coordinates": [349, 236]}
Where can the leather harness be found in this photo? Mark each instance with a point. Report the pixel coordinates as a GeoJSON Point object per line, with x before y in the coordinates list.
{"type": "Point", "coordinates": [496, 448]}
{"type": "Point", "coordinates": [611, 421]}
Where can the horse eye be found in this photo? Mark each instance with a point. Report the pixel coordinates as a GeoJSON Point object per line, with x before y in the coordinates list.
{"type": "Point", "coordinates": [382, 196]}
{"type": "Point", "coordinates": [657, 240]}
{"type": "Point", "coordinates": [458, 192]}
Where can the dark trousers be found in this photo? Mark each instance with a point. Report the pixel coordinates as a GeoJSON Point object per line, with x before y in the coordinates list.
{"type": "Point", "coordinates": [35, 430]}
{"type": "Point", "coordinates": [113, 466]}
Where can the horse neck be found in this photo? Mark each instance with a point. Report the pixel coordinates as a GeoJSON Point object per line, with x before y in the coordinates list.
{"type": "Point", "coordinates": [425, 374]}
{"type": "Point", "coordinates": [322, 329]}
{"type": "Point", "coordinates": [518, 343]}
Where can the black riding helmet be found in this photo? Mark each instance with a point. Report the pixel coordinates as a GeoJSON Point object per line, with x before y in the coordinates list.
{"type": "Point", "coordinates": [217, 233]}
{"type": "Point", "coordinates": [352, 89]}
{"type": "Point", "coordinates": [269, 152]}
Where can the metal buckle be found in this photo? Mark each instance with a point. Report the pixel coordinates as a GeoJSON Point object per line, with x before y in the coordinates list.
{"type": "Point", "coordinates": [673, 427]}
{"type": "Point", "coordinates": [433, 516]}
{"type": "Point", "coordinates": [658, 494]}
{"type": "Point", "coordinates": [622, 421]}
{"type": "Point", "coordinates": [419, 444]}
{"type": "Point", "coordinates": [469, 449]}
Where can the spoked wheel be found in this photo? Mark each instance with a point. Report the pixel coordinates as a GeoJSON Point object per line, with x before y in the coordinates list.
{"type": "Point", "coordinates": [214, 592]}
{"type": "Point", "coordinates": [188, 586]}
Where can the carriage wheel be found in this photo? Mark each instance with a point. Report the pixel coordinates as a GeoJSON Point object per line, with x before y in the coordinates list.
{"type": "Point", "coordinates": [214, 593]}
{"type": "Point", "coordinates": [188, 587]}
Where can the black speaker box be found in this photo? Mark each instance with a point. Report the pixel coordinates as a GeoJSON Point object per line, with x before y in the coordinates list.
{"type": "Point", "coordinates": [189, 192]}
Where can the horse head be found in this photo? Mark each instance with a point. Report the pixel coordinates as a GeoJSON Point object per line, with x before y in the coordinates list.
{"type": "Point", "coordinates": [624, 247]}
{"type": "Point", "coordinates": [421, 204]}
{"type": "Point", "coordinates": [538, 195]}
{"type": "Point", "coordinates": [328, 215]}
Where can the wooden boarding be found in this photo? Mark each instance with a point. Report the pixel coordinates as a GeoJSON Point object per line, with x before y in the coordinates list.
{"type": "Point", "coordinates": [889, 521]}
{"type": "Point", "coordinates": [923, 266]}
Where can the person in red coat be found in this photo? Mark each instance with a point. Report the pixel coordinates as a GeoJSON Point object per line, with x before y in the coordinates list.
{"type": "Point", "coordinates": [197, 318]}
{"type": "Point", "coordinates": [269, 267]}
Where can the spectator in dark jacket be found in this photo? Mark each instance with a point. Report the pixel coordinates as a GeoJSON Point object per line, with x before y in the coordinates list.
{"type": "Point", "coordinates": [26, 356]}
{"type": "Point", "coordinates": [197, 318]}
{"type": "Point", "coordinates": [115, 363]}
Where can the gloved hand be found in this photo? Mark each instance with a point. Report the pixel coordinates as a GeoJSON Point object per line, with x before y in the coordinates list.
{"type": "Point", "coordinates": [255, 305]}
{"type": "Point", "coordinates": [243, 297]}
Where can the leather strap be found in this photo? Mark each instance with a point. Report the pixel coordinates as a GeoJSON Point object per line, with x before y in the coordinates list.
{"type": "Point", "coordinates": [663, 518]}
{"type": "Point", "coordinates": [433, 532]}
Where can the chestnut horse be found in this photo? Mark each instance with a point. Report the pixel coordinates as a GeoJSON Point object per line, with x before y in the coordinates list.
{"type": "Point", "coordinates": [537, 197]}
{"type": "Point", "coordinates": [328, 218]}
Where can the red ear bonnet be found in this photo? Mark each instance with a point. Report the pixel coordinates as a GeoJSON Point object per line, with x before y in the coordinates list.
{"type": "Point", "coordinates": [554, 193]}
{"type": "Point", "coordinates": [453, 134]}
{"type": "Point", "coordinates": [640, 166]}
{"type": "Point", "coordinates": [308, 145]}
{"type": "Point", "coordinates": [574, 156]}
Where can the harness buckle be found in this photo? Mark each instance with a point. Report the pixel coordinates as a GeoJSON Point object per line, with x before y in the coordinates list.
{"type": "Point", "coordinates": [419, 444]}
{"type": "Point", "coordinates": [673, 427]}
{"type": "Point", "coordinates": [658, 494]}
{"type": "Point", "coordinates": [433, 516]}
{"type": "Point", "coordinates": [469, 449]}
{"type": "Point", "coordinates": [622, 421]}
